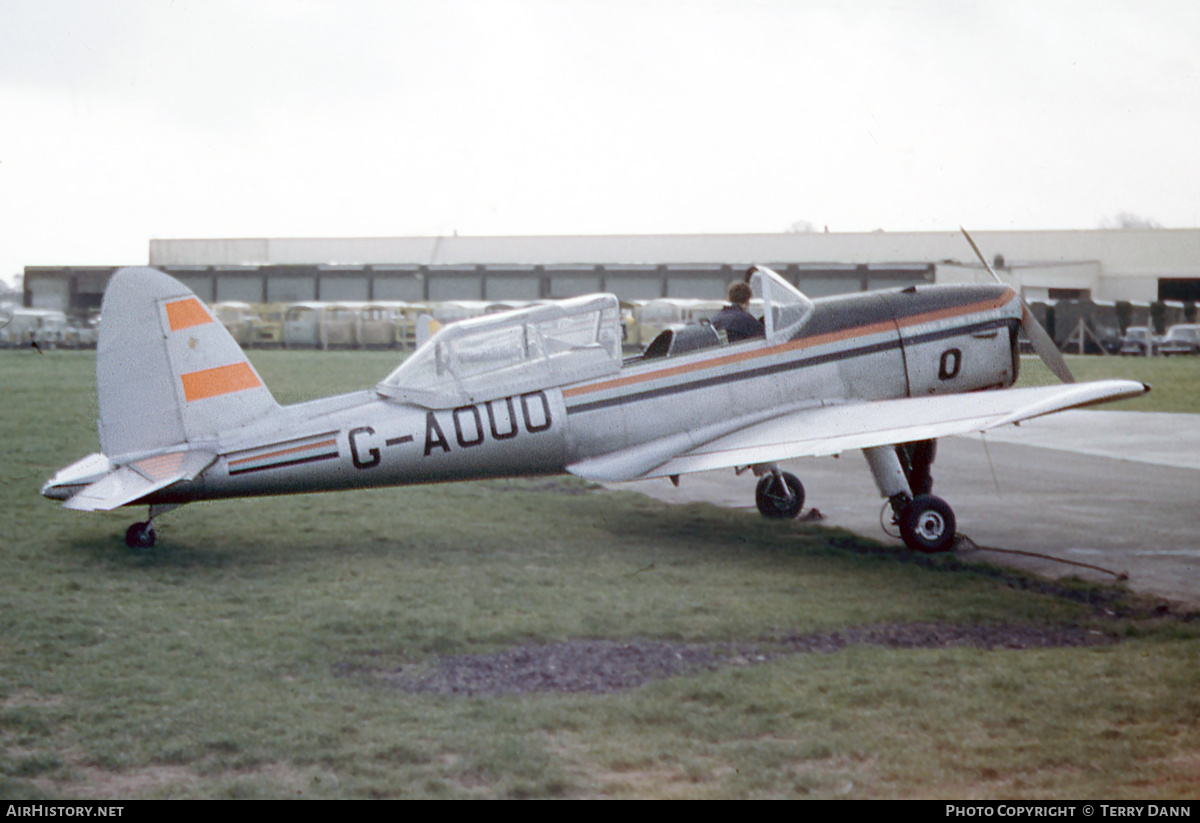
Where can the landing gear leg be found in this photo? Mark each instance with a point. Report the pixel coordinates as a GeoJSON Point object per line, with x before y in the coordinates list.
{"type": "Point", "coordinates": [926, 523]}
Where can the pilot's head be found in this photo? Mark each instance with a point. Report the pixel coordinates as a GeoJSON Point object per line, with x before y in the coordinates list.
{"type": "Point", "coordinates": [739, 293]}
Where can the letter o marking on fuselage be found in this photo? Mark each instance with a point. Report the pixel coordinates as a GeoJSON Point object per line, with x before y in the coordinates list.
{"type": "Point", "coordinates": [547, 419]}
{"type": "Point", "coordinates": [950, 364]}
{"type": "Point", "coordinates": [512, 420]}
{"type": "Point", "coordinates": [458, 428]}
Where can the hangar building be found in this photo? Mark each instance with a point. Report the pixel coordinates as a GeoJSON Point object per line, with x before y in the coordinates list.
{"type": "Point", "coordinates": [1108, 264]}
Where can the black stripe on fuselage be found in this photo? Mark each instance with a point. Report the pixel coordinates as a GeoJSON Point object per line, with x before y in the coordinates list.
{"type": "Point", "coordinates": [280, 465]}
{"type": "Point", "coordinates": [799, 363]}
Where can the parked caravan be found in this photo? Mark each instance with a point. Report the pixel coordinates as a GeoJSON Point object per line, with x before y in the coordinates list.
{"type": "Point", "coordinates": [24, 326]}
{"type": "Point", "coordinates": [238, 319]}
{"type": "Point", "coordinates": [302, 325]}
{"type": "Point", "coordinates": [629, 334]}
{"type": "Point", "coordinates": [320, 325]}
{"type": "Point", "coordinates": [82, 334]}
{"type": "Point", "coordinates": [512, 305]}
{"type": "Point", "coordinates": [339, 326]}
{"type": "Point", "coordinates": [404, 332]}
{"type": "Point", "coordinates": [383, 324]}
{"type": "Point", "coordinates": [267, 327]}
{"type": "Point", "coordinates": [451, 311]}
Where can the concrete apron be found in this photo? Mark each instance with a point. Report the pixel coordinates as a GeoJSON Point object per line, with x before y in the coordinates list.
{"type": "Point", "coordinates": [1119, 490]}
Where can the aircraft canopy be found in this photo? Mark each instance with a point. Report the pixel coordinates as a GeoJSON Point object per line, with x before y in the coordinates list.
{"type": "Point", "coordinates": [500, 355]}
{"type": "Point", "coordinates": [785, 308]}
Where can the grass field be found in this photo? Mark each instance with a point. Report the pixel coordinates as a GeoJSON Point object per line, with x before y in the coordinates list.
{"type": "Point", "coordinates": [1174, 381]}
{"type": "Point", "coordinates": [258, 650]}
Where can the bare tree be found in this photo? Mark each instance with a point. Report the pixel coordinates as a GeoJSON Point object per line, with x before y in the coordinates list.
{"type": "Point", "coordinates": [801, 227]}
{"type": "Point", "coordinates": [1129, 220]}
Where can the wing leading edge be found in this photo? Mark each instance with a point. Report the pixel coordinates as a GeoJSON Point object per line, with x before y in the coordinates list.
{"type": "Point", "coordinates": [830, 429]}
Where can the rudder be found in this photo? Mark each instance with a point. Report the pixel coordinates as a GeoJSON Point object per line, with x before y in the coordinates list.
{"type": "Point", "coordinates": [166, 371]}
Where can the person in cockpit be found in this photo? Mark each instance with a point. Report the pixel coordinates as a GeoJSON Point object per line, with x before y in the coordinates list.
{"type": "Point", "coordinates": [734, 319]}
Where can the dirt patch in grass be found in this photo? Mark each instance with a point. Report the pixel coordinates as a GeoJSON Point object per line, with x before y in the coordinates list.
{"type": "Point", "coordinates": [602, 666]}
{"type": "Point", "coordinates": [24, 699]}
{"type": "Point", "coordinates": [91, 782]}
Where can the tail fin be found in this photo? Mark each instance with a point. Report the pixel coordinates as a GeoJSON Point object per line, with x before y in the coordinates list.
{"type": "Point", "coordinates": [167, 372]}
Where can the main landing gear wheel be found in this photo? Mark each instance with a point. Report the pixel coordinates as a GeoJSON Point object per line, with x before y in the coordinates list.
{"type": "Point", "coordinates": [927, 524]}
{"type": "Point", "coordinates": [777, 501]}
{"type": "Point", "coordinates": [140, 536]}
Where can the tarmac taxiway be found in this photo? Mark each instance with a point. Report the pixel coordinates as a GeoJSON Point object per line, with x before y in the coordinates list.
{"type": "Point", "coordinates": [1118, 490]}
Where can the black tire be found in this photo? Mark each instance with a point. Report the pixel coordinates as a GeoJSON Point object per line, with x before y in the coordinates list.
{"type": "Point", "coordinates": [774, 501]}
{"type": "Point", "coordinates": [140, 536]}
{"type": "Point", "coordinates": [927, 524]}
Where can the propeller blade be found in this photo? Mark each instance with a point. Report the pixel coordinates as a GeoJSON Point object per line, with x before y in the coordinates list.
{"type": "Point", "coordinates": [1042, 343]}
{"type": "Point", "coordinates": [982, 259]}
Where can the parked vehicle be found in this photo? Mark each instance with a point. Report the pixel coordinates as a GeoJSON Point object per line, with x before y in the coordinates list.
{"type": "Point", "coordinates": [237, 318]}
{"type": "Point", "coordinates": [319, 325]}
{"type": "Point", "coordinates": [20, 326]}
{"type": "Point", "coordinates": [82, 334]}
{"type": "Point", "coordinates": [385, 324]}
{"type": "Point", "coordinates": [1181, 339]}
{"type": "Point", "coordinates": [1137, 339]}
{"type": "Point", "coordinates": [451, 311]}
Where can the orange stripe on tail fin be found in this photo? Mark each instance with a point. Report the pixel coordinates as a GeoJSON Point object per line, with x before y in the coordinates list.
{"type": "Point", "coordinates": [198, 385]}
{"type": "Point", "coordinates": [183, 314]}
{"type": "Point", "coordinates": [160, 351]}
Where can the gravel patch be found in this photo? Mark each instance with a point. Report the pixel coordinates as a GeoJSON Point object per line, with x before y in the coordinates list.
{"type": "Point", "coordinates": [603, 666]}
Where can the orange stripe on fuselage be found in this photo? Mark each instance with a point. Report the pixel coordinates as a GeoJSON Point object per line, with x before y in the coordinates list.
{"type": "Point", "coordinates": [958, 311]}
{"type": "Point", "coordinates": [198, 385]}
{"type": "Point", "coordinates": [280, 452]}
{"type": "Point", "coordinates": [803, 343]}
{"type": "Point", "coordinates": [183, 314]}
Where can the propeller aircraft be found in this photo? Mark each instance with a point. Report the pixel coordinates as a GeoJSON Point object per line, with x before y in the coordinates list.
{"type": "Point", "coordinates": [184, 416]}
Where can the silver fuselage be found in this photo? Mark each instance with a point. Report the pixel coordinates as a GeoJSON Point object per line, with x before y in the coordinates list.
{"type": "Point", "coordinates": [876, 346]}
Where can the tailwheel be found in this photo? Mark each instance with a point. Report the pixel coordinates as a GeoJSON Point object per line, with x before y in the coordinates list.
{"type": "Point", "coordinates": [140, 536]}
{"type": "Point", "coordinates": [927, 524]}
{"type": "Point", "coordinates": [779, 495]}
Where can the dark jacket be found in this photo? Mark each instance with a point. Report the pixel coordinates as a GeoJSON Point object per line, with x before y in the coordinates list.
{"type": "Point", "coordinates": [737, 323]}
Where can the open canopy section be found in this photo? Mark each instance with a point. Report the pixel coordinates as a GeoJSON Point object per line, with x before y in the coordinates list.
{"type": "Point", "coordinates": [499, 355]}
{"type": "Point", "coordinates": [785, 308]}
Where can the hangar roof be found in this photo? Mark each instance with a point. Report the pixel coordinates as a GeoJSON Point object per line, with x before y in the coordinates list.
{"type": "Point", "coordinates": [1162, 252]}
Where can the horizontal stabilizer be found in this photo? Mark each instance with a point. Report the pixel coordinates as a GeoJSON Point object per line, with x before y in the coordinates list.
{"type": "Point", "coordinates": [135, 480]}
{"type": "Point", "coordinates": [826, 430]}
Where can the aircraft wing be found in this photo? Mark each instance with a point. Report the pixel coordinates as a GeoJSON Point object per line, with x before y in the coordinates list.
{"type": "Point", "coordinates": [830, 429]}
{"type": "Point", "coordinates": [136, 479]}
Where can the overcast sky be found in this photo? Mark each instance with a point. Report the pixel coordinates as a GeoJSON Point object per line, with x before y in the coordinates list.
{"type": "Point", "coordinates": [126, 120]}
